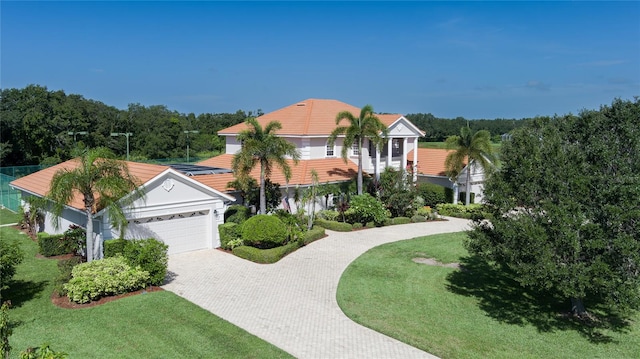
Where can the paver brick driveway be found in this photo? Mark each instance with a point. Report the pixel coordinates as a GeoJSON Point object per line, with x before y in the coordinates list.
{"type": "Point", "coordinates": [292, 303]}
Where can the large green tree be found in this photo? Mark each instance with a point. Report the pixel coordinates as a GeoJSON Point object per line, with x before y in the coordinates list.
{"type": "Point", "coordinates": [365, 126]}
{"type": "Point", "coordinates": [469, 147]}
{"type": "Point", "coordinates": [103, 182]}
{"type": "Point", "coordinates": [261, 146]}
{"type": "Point", "coordinates": [564, 207]}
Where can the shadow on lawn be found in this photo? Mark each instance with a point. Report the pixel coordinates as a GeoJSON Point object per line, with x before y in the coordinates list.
{"type": "Point", "coordinates": [507, 301]}
{"type": "Point", "coordinates": [21, 291]}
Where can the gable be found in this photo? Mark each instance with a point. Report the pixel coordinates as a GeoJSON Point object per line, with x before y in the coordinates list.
{"type": "Point", "coordinates": [402, 127]}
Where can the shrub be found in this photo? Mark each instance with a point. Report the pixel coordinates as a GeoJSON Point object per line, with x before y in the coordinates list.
{"type": "Point", "coordinates": [58, 244]}
{"type": "Point", "coordinates": [418, 218]}
{"type": "Point", "coordinates": [42, 352]}
{"type": "Point", "coordinates": [237, 214]}
{"type": "Point", "coordinates": [432, 193]}
{"type": "Point", "coordinates": [314, 234]}
{"type": "Point", "coordinates": [264, 231]}
{"type": "Point", "coordinates": [424, 211]}
{"type": "Point", "coordinates": [265, 256]}
{"type": "Point", "coordinates": [400, 220]}
{"type": "Point", "coordinates": [365, 208]}
{"type": "Point", "coordinates": [295, 226]}
{"type": "Point", "coordinates": [329, 215]}
{"type": "Point", "coordinates": [228, 232]}
{"type": "Point", "coordinates": [334, 225]}
{"type": "Point", "coordinates": [10, 256]}
{"type": "Point", "coordinates": [65, 267]}
{"type": "Point", "coordinates": [50, 245]}
{"type": "Point", "coordinates": [104, 277]}
{"type": "Point", "coordinates": [149, 254]}
{"type": "Point", "coordinates": [235, 243]}
{"type": "Point", "coordinates": [460, 210]}
{"type": "Point", "coordinates": [370, 225]}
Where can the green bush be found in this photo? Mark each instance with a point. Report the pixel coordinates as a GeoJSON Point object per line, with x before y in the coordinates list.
{"type": "Point", "coordinates": [148, 254]}
{"type": "Point", "coordinates": [104, 277]}
{"type": "Point", "coordinates": [265, 256]}
{"type": "Point", "coordinates": [50, 245]}
{"type": "Point", "coordinates": [365, 208]}
{"type": "Point", "coordinates": [295, 226]}
{"type": "Point", "coordinates": [228, 232]}
{"type": "Point", "coordinates": [432, 193]}
{"type": "Point", "coordinates": [400, 220]}
{"type": "Point", "coordinates": [264, 231]}
{"type": "Point", "coordinates": [42, 352]}
{"type": "Point", "coordinates": [10, 256]}
{"type": "Point", "coordinates": [418, 218]}
{"type": "Point", "coordinates": [334, 225]}
{"type": "Point", "coordinates": [460, 210]}
{"type": "Point", "coordinates": [328, 214]}
{"type": "Point", "coordinates": [237, 213]}
{"type": "Point", "coordinates": [357, 225]}
{"type": "Point", "coordinates": [314, 234]}
{"type": "Point", "coordinates": [65, 267]}
{"type": "Point", "coordinates": [372, 225]}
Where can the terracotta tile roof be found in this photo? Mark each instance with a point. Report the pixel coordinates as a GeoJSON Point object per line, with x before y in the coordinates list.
{"type": "Point", "coordinates": [308, 118]}
{"type": "Point", "coordinates": [329, 170]}
{"type": "Point", "coordinates": [39, 182]}
{"type": "Point", "coordinates": [430, 161]}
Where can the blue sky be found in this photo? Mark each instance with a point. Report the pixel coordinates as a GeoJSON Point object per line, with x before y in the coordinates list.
{"type": "Point", "coordinates": [470, 59]}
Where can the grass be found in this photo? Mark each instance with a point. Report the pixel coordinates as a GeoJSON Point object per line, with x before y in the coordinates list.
{"type": "Point", "coordinates": [472, 313]}
{"type": "Point", "coordinates": [7, 217]}
{"type": "Point", "coordinates": [151, 325]}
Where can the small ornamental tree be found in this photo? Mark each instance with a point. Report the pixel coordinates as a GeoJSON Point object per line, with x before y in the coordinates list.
{"type": "Point", "coordinates": [564, 207]}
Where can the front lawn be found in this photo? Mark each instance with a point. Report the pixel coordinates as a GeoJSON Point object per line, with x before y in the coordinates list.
{"type": "Point", "coordinates": [151, 325]}
{"type": "Point", "coordinates": [475, 312]}
{"type": "Point", "coordinates": [8, 217]}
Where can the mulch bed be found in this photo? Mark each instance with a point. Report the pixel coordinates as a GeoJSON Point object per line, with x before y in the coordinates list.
{"type": "Point", "coordinates": [64, 302]}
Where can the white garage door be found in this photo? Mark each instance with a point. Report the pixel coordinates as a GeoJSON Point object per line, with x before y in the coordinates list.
{"type": "Point", "coordinates": [183, 232]}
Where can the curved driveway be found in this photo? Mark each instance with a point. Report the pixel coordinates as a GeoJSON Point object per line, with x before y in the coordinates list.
{"type": "Point", "coordinates": [292, 303]}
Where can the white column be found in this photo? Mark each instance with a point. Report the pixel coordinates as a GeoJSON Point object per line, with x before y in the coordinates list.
{"type": "Point", "coordinates": [415, 159]}
{"type": "Point", "coordinates": [377, 162]}
{"type": "Point", "coordinates": [404, 154]}
{"type": "Point", "coordinates": [389, 151]}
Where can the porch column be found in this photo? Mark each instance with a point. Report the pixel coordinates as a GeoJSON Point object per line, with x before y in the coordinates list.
{"type": "Point", "coordinates": [415, 159]}
{"type": "Point", "coordinates": [377, 162]}
{"type": "Point", "coordinates": [389, 145]}
{"type": "Point", "coordinates": [404, 154]}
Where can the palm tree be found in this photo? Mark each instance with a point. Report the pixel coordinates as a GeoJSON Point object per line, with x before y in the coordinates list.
{"type": "Point", "coordinates": [472, 147]}
{"type": "Point", "coordinates": [264, 147]}
{"type": "Point", "coordinates": [104, 182]}
{"type": "Point", "coordinates": [368, 125]}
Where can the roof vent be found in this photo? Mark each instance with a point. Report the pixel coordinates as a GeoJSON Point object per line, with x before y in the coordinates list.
{"type": "Point", "coordinates": [301, 104]}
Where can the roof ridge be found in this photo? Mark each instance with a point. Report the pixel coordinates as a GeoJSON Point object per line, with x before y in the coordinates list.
{"type": "Point", "coordinates": [308, 117]}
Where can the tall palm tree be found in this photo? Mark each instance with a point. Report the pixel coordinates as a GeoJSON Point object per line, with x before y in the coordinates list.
{"type": "Point", "coordinates": [104, 182]}
{"type": "Point", "coordinates": [472, 147]}
{"type": "Point", "coordinates": [367, 125]}
{"type": "Point", "coordinates": [262, 146]}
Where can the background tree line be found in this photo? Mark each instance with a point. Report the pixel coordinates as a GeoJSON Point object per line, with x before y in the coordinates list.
{"type": "Point", "coordinates": [35, 126]}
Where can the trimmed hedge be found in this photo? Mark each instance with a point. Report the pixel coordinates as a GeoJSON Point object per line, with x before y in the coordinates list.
{"type": "Point", "coordinates": [400, 220]}
{"type": "Point", "coordinates": [334, 225]}
{"type": "Point", "coordinates": [314, 234]}
{"type": "Point", "coordinates": [265, 256]}
{"type": "Point", "coordinates": [357, 225]}
{"type": "Point", "coordinates": [50, 245]}
{"type": "Point", "coordinates": [228, 232]}
{"type": "Point", "coordinates": [237, 213]}
{"type": "Point", "coordinates": [432, 193]}
{"type": "Point", "coordinates": [460, 210]}
{"type": "Point", "coordinates": [418, 218]}
{"type": "Point", "coordinates": [149, 254]}
{"type": "Point", "coordinates": [264, 231]}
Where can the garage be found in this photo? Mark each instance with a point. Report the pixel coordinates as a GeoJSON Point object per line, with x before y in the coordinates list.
{"type": "Point", "coordinates": [182, 232]}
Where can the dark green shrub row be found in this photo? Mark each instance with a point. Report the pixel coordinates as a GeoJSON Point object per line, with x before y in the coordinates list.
{"type": "Point", "coordinates": [149, 254]}
{"type": "Point", "coordinates": [58, 244]}
{"type": "Point", "coordinates": [357, 225]}
{"type": "Point", "coordinates": [264, 256]}
{"type": "Point", "coordinates": [104, 277]}
{"type": "Point", "coordinates": [228, 232]}
{"type": "Point", "coordinates": [432, 193]}
{"type": "Point", "coordinates": [314, 234]}
{"type": "Point", "coordinates": [400, 220]}
{"type": "Point", "coordinates": [460, 210]}
{"type": "Point", "coordinates": [237, 213]}
{"type": "Point", "coordinates": [65, 267]}
{"type": "Point", "coordinates": [334, 225]}
{"type": "Point", "coordinates": [264, 231]}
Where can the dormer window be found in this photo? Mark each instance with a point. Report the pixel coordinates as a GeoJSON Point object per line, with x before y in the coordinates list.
{"type": "Point", "coordinates": [355, 149]}
{"type": "Point", "coordinates": [330, 149]}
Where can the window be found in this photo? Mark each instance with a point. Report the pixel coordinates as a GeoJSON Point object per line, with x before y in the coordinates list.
{"type": "Point", "coordinates": [330, 149]}
{"type": "Point", "coordinates": [355, 149]}
{"type": "Point", "coordinates": [396, 149]}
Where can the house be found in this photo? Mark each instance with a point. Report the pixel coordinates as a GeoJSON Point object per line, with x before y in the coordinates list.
{"type": "Point", "coordinates": [176, 209]}
{"type": "Point", "coordinates": [308, 124]}
{"type": "Point", "coordinates": [431, 168]}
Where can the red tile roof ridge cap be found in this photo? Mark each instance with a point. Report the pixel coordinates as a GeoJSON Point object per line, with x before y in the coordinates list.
{"type": "Point", "coordinates": [308, 117]}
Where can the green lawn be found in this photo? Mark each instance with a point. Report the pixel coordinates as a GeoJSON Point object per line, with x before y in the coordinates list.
{"type": "Point", "coordinates": [152, 325]}
{"type": "Point", "coordinates": [472, 313]}
{"type": "Point", "coordinates": [6, 216]}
